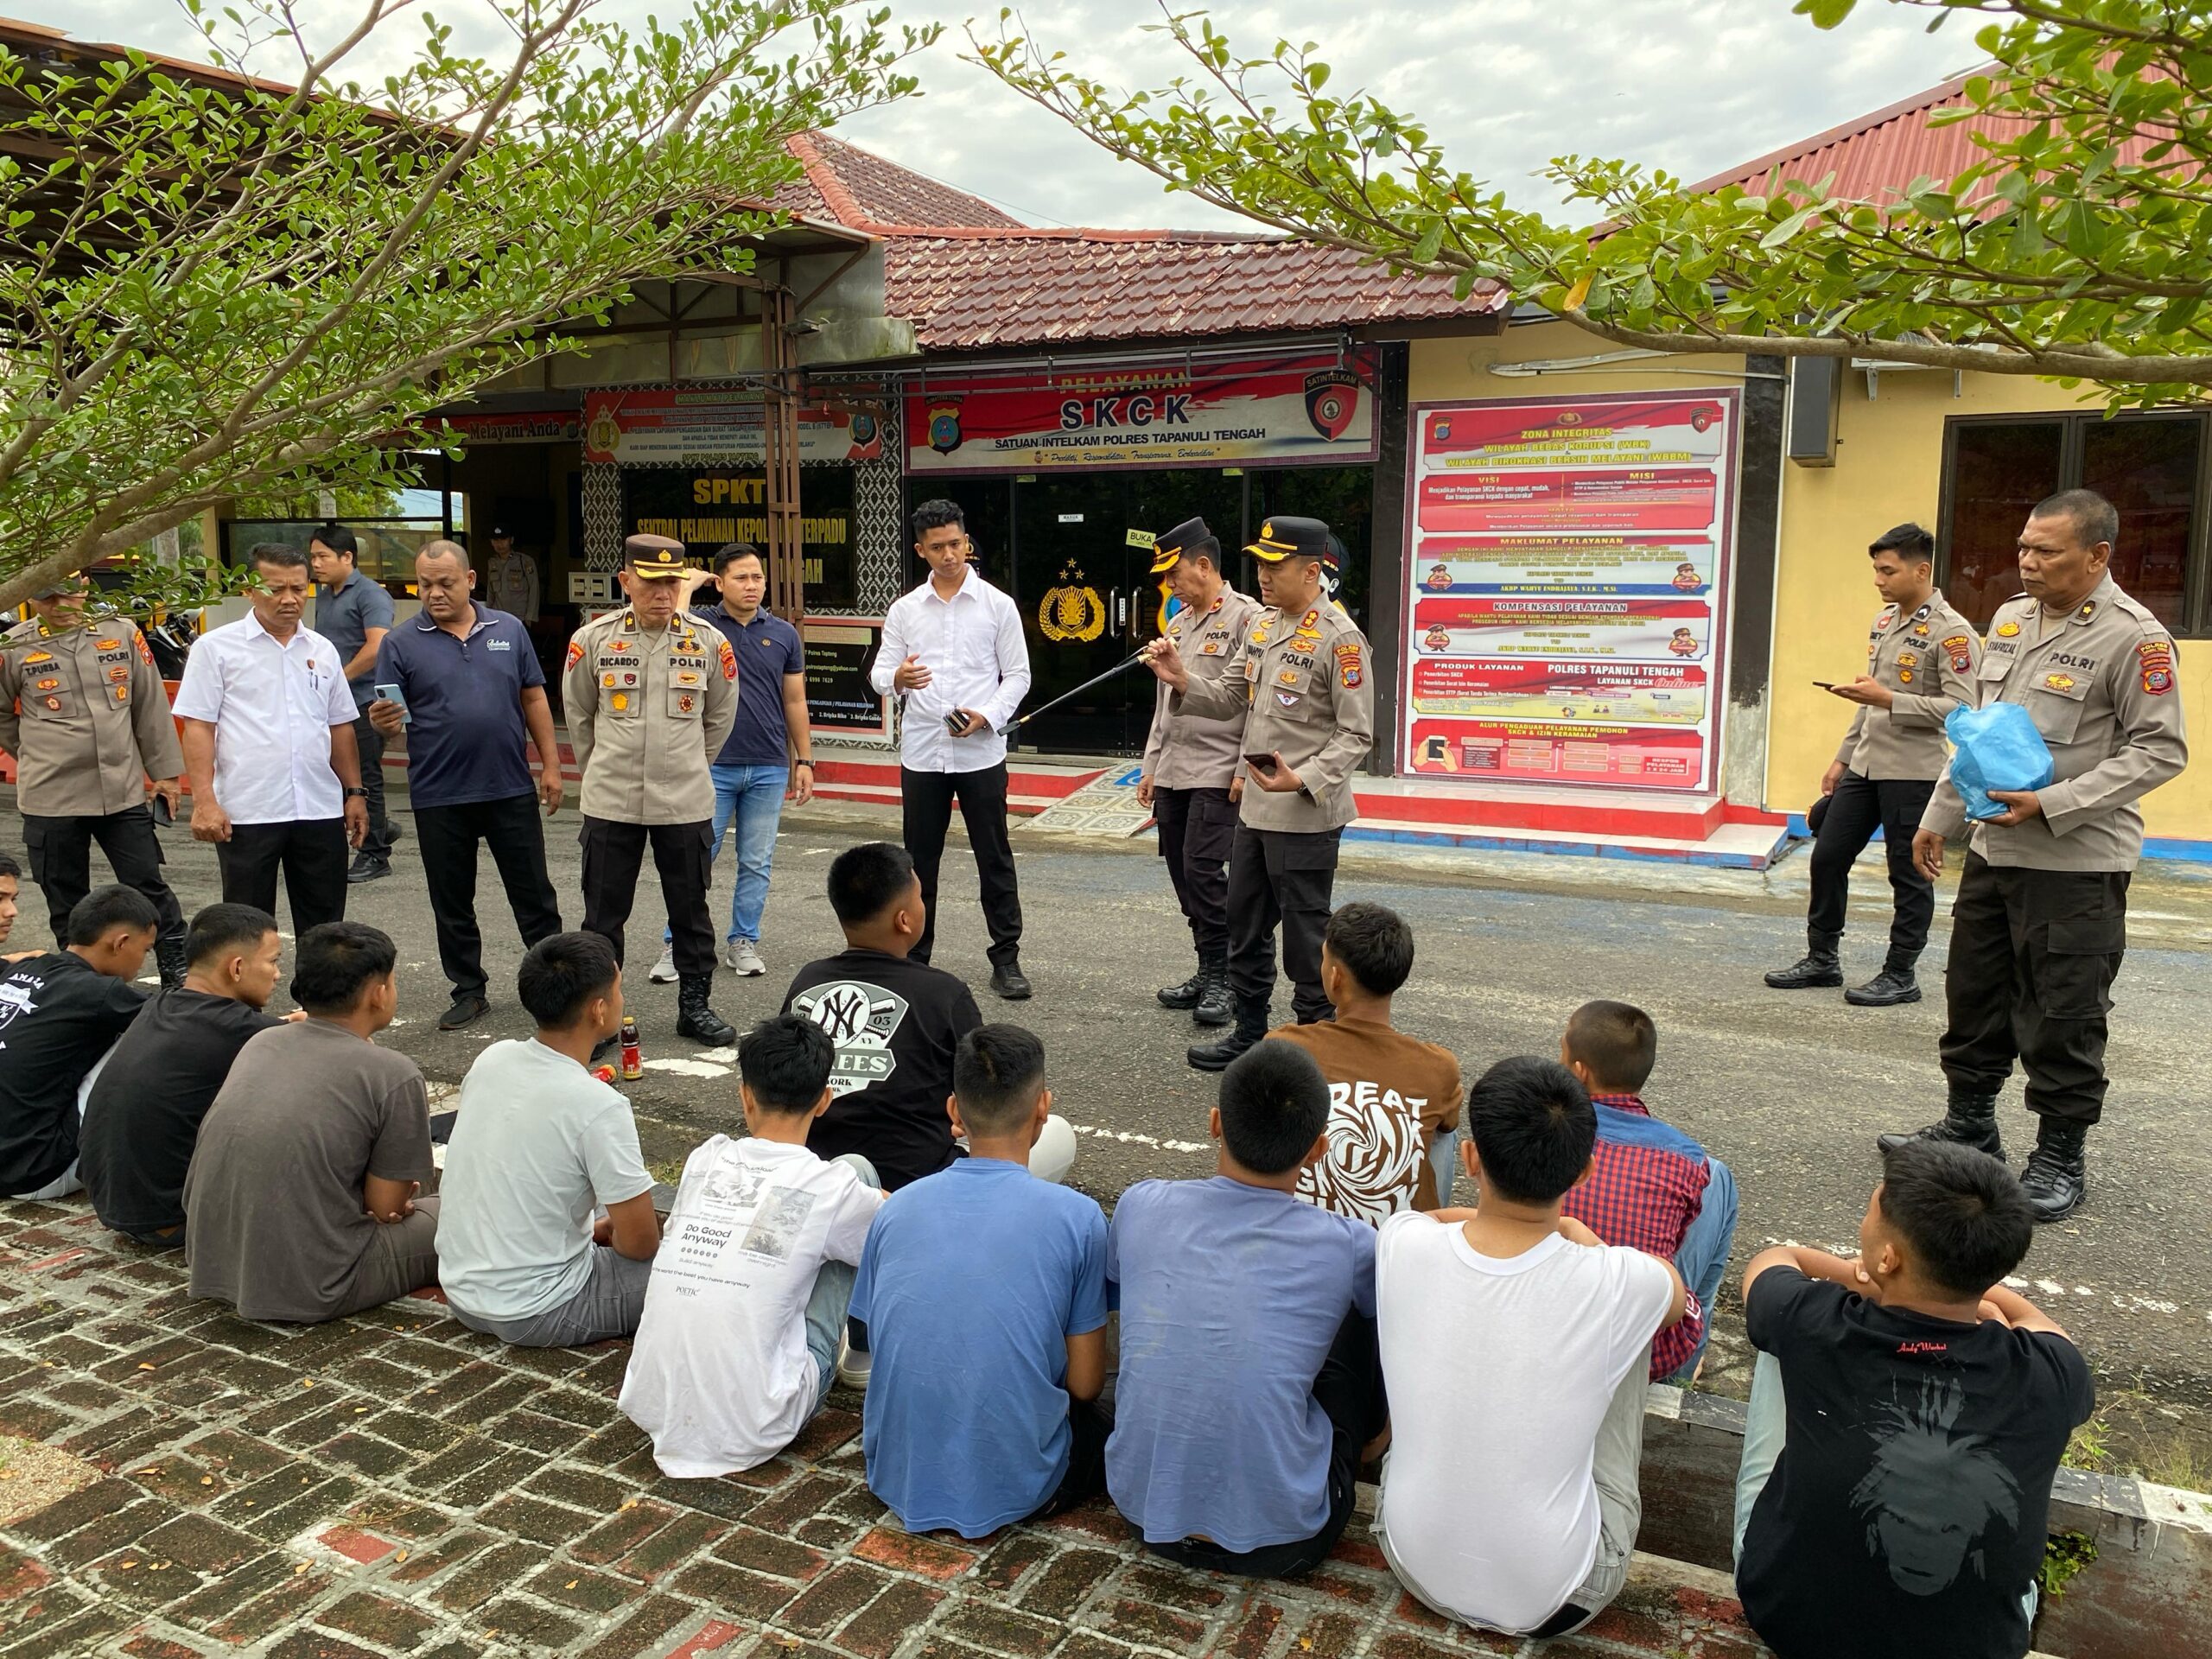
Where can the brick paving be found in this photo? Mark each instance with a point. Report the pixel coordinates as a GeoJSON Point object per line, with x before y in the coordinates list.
{"type": "Point", "coordinates": [396, 1484]}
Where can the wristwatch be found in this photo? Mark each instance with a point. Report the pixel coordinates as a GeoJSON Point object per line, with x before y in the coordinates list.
{"type": "Point", "coordinates": [357, 794]}
{"type": "Point", "coordinates": [809, 764]}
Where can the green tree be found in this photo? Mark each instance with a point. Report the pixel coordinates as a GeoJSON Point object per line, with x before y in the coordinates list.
{"type": "Point", "coordinates": [2074, 247]}
{"type": "Point", "coordinates": [219, 285]}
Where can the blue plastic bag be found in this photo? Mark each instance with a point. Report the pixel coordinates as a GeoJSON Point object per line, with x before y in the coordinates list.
{"type": "Point", "coordinates": [1995, 747]}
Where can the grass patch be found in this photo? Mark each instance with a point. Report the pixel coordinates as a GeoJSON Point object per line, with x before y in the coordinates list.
{"type": "Point", "coordinates": [2064, 1554]}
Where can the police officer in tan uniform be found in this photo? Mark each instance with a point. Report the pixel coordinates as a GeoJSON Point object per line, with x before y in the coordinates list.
{"type": "Point", "coordinates": [84, 711]}
{"type": "Point", "coordinates": [651, 692]}
{"type": "Point", "coordinates": [2040, 922]}
{"type": "Point", "coordinates": [1193, 764]}
{"type": "Point", "coordinates": [1301, 679]}
{"type": "Point", "coordinates": [1920, 661]}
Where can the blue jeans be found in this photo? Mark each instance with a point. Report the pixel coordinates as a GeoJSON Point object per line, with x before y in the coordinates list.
{"type": "Point", "coordinates": [1703, 1258]}
{"type": "Point", "coordinates": [832, 1296]}
{"type": "Point", "coordinates": [754, 796]}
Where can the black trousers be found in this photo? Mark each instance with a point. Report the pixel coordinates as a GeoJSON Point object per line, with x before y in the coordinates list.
{"type": "Point", "coordinates": [926, 804]}
{"type": "Point", "coordinates": [684, 855]}
{"type": "Point", "coordinates": [61, 864]}
{"type": "Point", "coordinates": [1286, 876]}
{"type": "Point", "coordinates": [378, 842]}
{"type": "Point", "coordinates": [2033, 957]}
{"type": "Point", "coordinates": [1350, 1390]}
{"type": "Point", "coordinates": [447, 836]}
{"type": "Point", "coordinates": [1196, 828]}
{"type": "Point", "coordinates": [1090, 1422]}
{"type": "Point", "coordinates": [1860, 806]}
{"type": "Point", "coordinates": [311, 853]}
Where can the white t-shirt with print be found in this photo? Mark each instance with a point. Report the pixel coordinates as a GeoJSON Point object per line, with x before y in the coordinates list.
{"type": "Point", "coordinates": [1499, 1372]}
{"type": "Point", "coordinates": [720, 1376]}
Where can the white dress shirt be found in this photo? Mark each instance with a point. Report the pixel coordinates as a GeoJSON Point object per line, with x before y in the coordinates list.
{"type": "Point", "coordinates": [272, 708]}
{"type": "Point", "coordinates": [972, 645]}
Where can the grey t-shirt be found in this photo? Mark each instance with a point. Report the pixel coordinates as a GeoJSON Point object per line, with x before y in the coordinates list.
{"type": "Point", "coordinates": [273, 1219]}
{"type": "Point", "coordinates": [344, 616]}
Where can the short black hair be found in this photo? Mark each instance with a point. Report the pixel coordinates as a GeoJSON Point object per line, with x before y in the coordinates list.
{"type": "Point", "coordinates": [8, 866]}
{"type": "Point", "coordinates": [1907, 541]}
{"type": "Point", "coordinates": [560, 974]}
{"type": "Point", "coordinates": [868, 879]}
{"type": "Point", "coordinates": [997, 1073]}
{"type": "Point", "coordinates": [2095, 519]}
{"type": "Point", "coordinates": [1534, 1129]}
{"type": "Point", "coordinates": [338, 961]}
{"type": "Point", "coordinates": [728, 554]}
{"type": "Point", "coordinates": [104, 908]}
{"type": "Point", "coordinates": [1274, 1104]}
{"type": "Point", "coordinates": [1961, 1212]}
{"type": "Point", "coordinates": [1374, 944]}
{"type": "Point", "coordinates": [339, 539]}
{"type": "Point", "coordinates": [226, 927]}
{"type": "Point", "coordinates": [936, 515]}
{"type": "Point", "coordinates": [786, 1061]}
{"type": "Point", "coordinates": [282, 555]}
{"type": "Point", "coordinates": [1616, 1041]}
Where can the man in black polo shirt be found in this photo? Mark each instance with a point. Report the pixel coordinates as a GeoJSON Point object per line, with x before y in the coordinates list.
{"type": "Point", "coordinates": [469, 687]}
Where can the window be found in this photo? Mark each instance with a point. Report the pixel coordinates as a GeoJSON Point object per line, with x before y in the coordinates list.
{"type": "Point", "coordinates": [2155, 468]}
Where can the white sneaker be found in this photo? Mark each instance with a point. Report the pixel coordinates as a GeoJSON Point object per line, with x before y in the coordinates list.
{"type": "Point", "coordinates": [852, 1367]}
{"type": "Point", "coordinates": [663, 971]}
{"type": "Point", "coordinates": [743, 956]}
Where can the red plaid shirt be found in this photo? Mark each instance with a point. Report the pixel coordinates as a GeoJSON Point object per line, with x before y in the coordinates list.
{"type": "Point", "coordinates": [1646, 1188]}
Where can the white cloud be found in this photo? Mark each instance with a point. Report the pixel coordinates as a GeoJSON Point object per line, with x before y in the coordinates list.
{"type": "Point", "coordinates": [1691, 85]}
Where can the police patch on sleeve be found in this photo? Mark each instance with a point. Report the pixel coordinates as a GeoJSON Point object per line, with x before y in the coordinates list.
{"type": "Point", "coordinates": [575, 652]}
{"type": "Point", "coordinates": [1348, 665]}
{"type": "Point", "coordinates": [728, 661]}
{"type": "Point", "coordinates": [2157, 665]}
{"type": "Point", "coordinates": [1958, 646]}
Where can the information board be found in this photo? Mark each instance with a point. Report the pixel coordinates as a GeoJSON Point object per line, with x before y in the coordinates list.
{"type": "Point", "coordinates": [838, 695]}
{"type": "Point", "coordinates": [1568, 581]}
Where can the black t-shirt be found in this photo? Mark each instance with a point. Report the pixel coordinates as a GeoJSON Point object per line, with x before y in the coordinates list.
{"type": "Point", "coordinates": [143, 1116]}
{"type": "Point", "coordinates": [895, 1024]}
{"type": "Point", "coordinates": [58, 1015]}
{"type": "Point", "coordinates": [1907, 1512]}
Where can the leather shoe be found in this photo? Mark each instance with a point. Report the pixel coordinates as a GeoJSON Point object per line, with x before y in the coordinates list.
{"type": "Point", "coordinates": [368, 869]}
{"type": "Point", "coordinates": [1216, 1055]}
{"type": "Point", "coordinates": [1815, 970]}
{"type": "Point", "coordinates": [466, 1008]}
{"type": "Point", "coordinates": [1010, 983]}
{"type": "Point", "coordinates": [1886, 990]}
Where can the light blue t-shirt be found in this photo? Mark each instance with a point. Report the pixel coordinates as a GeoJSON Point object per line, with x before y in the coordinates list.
{"type": "Point", "coordinates": [1231, 1296]}
{"type": "Point", "coordinates": [972, 1280]}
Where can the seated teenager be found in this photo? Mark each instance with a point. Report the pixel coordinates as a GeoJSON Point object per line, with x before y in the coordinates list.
{"type": "Point", "coordinates": [896, 1024]}
{"type": "Point", "coordinates": [738, 1343]}
{"type": "Point", "coordinates": [1514, 1346]}
{"type": "Point", "coordinates": [981, 1304]}
{"type": "Point", "coordinates": [60, 1012]}
{"type": "Point", "coordinates": [539, 1147]}
{"type": "Point", "coordinates": [1250, 1386]}
{"type": "Point", "coordinates": [301, 1200]}
{"type": "Point", "coordinates": [11, 890]}
{"type": "Point", "coordinates": [143, 1116]}
{"type": "Point", "coordinates": [1908, 1413]}
{"type": "Point", "coordinates": [1650, 1185]}
{"type": "Point", "coordinates": [1394, 1100]}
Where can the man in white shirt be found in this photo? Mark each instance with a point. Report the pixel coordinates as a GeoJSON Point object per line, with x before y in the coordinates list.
{"type": "Point", "coordinates": [953, 649]}
{"type": "Point", "coordinates": [268, 736]}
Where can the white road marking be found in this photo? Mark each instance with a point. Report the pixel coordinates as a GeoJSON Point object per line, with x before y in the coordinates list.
{"type": "Point", "coordinates": [1132, 1138]}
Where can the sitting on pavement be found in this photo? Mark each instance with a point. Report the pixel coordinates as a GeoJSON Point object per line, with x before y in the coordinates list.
{"type": "Point", "coordinates": [11, 893]}
{"type": "Point", "coordinates": [738, 1343]}
{"type": "Point", "coordinates": [540, 1147]}
{"type": "Point", "coordinates": [301, 1203]}
{"type": "Point", "coordinates": [1250, 1387]}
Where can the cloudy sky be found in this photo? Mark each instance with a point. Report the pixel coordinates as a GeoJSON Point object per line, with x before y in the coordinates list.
{"type": "Point", "coordinates": [1691, 86]}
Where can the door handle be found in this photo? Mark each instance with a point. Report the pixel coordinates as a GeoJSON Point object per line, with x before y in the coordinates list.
{"type": "Point", "coordinates": [1120, 610]}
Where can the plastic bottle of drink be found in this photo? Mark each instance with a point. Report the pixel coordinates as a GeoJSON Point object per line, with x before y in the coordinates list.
{"type": "Point", "coordinates": [633, 1065]}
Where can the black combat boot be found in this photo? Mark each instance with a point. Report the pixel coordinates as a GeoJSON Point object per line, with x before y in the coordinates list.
{"type": "Point", "coordinates": [1251, 1026]}
{"type": "Point", "coordinates": [1187, 995]}
{"type": "Point", "coordinates": [2057, 1179]}
{"type": "Point", "coordinates": [1971, 1119]}
{"type": "Point", "coordinates": [169, 956]}
{"type": "Point", "coordinates": [694, 1019]}
{"type": "Point", "coordinates": [1894, 985]}
{"type": "Point", "coordinates": [1216, 1007]}
{"type": "Point", "coordinates": [1816, 969]}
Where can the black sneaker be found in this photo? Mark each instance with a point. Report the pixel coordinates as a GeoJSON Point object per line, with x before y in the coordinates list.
{"type": "Point", "coordinates": [467, 1007]}
{"type": "Point", "coordinates": [1011, 982]}
{"type": "Point", "coordinates": [367, 868]}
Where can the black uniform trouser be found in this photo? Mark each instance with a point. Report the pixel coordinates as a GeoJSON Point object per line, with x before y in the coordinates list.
{"type": "Point", "coordinates": [378, 842]}
{"type": "Point", "coordinates": [1286, 876]}
{"type": "Point", "coordinates": [1196, 828]}
{"type": "Point", "coordinates": [683, 854]}
{"type": "Point", "coordinates": [2033, 957]}
{"type": "Point", "coordinates": [311, 854]}
{"type": "Point", "coordinates": [925, 808]}
{"type": "Point", "coordinates": [61, 864]}
{"type": "Point", "coordinates": [1859, 806]}
{"type": "Point", "coordinates": [447, 838]}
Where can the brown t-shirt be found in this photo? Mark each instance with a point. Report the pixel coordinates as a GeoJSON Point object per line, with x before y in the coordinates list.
{"type": "Point", "coordinates": [1388, 1094]}
{"type": "Point", "coordinates": [273, 1224]}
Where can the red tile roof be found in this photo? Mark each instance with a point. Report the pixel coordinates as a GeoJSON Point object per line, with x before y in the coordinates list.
{"type": "Point", "coordinates": [847, 185]}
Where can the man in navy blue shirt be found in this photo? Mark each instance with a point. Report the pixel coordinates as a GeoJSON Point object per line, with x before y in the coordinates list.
{"type": "Point", "coordinates": [468, 685]}
{"type": "Point", "coordinates": [354, 613]}
{"type": "Point", "coordinates": [768, 758]}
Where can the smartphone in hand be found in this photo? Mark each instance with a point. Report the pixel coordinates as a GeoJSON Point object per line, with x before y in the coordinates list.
{"type": "Point", "coordinates": [164, 816]}
{"type": "Point", "coordinates": [1261, 763]}
{"type": "Point", "coordinates": [393, 694]}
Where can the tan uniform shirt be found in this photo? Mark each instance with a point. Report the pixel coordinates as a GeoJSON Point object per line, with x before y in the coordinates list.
{"type": "Point", "coordinates": [85, 713]}
{"type": "Point", "coordinates": [647, 713]}
{"type": "Point", "coordinates": [1305, 684]}
{"type": "Point", "coordinates": [2102, 689]}
{"type": "Point", "coordinates": [1928, 660]}
{"type": "Point", "coordinates": [1186, 750]}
